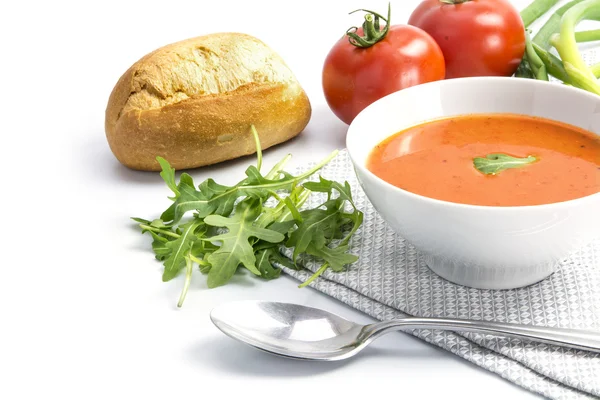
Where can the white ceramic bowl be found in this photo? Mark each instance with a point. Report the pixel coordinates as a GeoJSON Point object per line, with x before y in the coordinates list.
{"type": "Point", "coordinates": [479, 246]}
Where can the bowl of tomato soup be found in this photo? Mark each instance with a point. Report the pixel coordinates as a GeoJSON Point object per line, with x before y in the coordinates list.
{"type": "Point", "coordinates": [494, 180]}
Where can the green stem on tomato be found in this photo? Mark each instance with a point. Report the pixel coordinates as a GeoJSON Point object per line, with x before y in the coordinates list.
{"type": "Point", "coordinates": [587, 36]}
{"type": "Point", "coordinates": [535, 10]}
{"type": "Point", "coordinates": [371, 29]}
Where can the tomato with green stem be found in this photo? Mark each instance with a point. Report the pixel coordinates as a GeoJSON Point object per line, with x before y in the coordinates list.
{"type": "Point", "coordinates": [477, 37]}
{"type": "Point", "coordinates": [373, 61]}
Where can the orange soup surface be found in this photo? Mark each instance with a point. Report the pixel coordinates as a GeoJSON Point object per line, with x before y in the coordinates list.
{"type": "Point", "coordinates": [435, 160]}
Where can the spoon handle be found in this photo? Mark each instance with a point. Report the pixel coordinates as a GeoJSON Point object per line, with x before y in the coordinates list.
{"type": "Point", "coordinates": [578, 339]}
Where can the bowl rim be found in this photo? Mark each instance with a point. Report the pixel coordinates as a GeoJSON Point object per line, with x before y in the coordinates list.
{"type": "Point", "coordinates": [533, 83]}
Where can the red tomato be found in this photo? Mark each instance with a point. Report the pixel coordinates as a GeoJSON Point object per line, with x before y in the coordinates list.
{"type": "Point", "coordinates": [355, 77]}
{"type": "Point", "coordinates": [477, 37]}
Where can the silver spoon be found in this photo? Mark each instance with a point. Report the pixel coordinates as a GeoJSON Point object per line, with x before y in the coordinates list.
{"type": "Point", "coordinates": [297, 331]}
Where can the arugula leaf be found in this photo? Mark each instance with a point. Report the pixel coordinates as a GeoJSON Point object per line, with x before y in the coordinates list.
{"type": "Point", "coordinates": [159, 246]}
{"type": "Point", "coordinates": [235, 247]}
{"type": "Point", "coordinates": [168, 175]}
{"type": "Point", "coordinates": [180, 248]}
{"type": "Point", "coordinates": [282, 227]}
{"type": "Point", "coordinates": [316, 227]}
{"type": "Point", "coordinates": [259, 185]}
{"type": "Point", "coordinates": [326, 186]}
{"type": "Point", "coordinates": [280, 259]}
{"type": "Point", "coordinates": [200, 248]}
{"type": "Point", "coordinates": [279, 218]}
{"type": "Point", "coordinates": [205, 269]}
{"type": "Point", "coordinates": [336, 257]}
{"type": "Point", "coordinates": [233, 226]}
{"type": "Point", "coordinates": [185, 192]}
{"type": "Point", "coordinates": [186, 183]}
{"type": "Point", "coordinates": [264, 266]}
{"type": "Point", "coordinates": [282, 212]}
{"type": "Point", "coordinates": [356, 218]}
{"type": "Point", "coordinates": [183, 203]}
{"type": "Point", "coordinates": [220, 199]}
{"type": "Point", "coordinates": [325, 225]}
{"type": "Point", "coordinates": [156, 225]}
{"type": "Point", "coordinates": [293, 210]}
{"type": "Point", "coordinates": [497, 162]}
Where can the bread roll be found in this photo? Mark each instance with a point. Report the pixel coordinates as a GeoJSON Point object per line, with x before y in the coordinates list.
{"type": "Point", "coordinates": [193, 102]}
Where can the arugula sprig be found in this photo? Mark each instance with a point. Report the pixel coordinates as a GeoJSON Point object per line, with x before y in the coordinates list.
{"type": "Point", "coordinates": [498, 162]}
{"type": "Point", "coordinates": [222, 228]}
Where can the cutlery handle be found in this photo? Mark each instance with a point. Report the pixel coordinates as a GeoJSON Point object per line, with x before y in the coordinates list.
{"type": "Point", "coordinates": [578, 339]}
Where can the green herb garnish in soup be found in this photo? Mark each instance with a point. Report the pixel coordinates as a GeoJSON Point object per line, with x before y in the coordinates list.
{"type": "Point", "coordinates": [492, 160]}
{"type": "Point", "coordinates": [494, 163]}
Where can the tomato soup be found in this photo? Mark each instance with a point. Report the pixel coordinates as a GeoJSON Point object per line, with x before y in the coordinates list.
{"type": "Point", "coordinates": [436, 159]}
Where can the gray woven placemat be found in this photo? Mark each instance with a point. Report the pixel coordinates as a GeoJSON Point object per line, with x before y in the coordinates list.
{"type": "Point", "coordinates": [390, 280]}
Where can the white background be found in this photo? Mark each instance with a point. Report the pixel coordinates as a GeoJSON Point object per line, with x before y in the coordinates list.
{"type": "Point", "coordinates": [84, 313]}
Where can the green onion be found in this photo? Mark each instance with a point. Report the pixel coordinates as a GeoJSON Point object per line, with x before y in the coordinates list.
{"type": "Point", "coordinates": [587, 36]}
{"type": "Point", "coordinates": [531, 65]}
{"type": "Point", "coordinates": [584, 81]}
{"type": "Point", "coordinates": [595, 70]}
{"type": "Point", "coordinates": [552, 26]}
{"type": "Point", "coordinates": [535, 10]}
{"type": "Point", "coordinates": [556, 68]}
{"type": "Point", "coordinates": [535, 62]}
{"type": "Point", "coordinates": [566, 44]}
{"type": "Point", "coordinates": [553, 64]}
{"type": "Point", "coordinates": [559, 31]}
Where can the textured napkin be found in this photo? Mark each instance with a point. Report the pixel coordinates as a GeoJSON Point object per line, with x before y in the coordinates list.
{"type": "Point", "coordinates": [391, 280]}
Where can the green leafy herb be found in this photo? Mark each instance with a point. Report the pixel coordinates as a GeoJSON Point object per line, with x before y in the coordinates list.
{"type": "Point", "coordinates": [222, 228]}
{"type": "Point", "coordinates": [178, 250]}
{"type": "Point", "coordinates": [235, 248]}
{"type": "Point", "coordinates": [336, 257]}
{"type": "Point", "coordinates": [497, 162]}
{"type": "Point", "coordinates": [264, 265]}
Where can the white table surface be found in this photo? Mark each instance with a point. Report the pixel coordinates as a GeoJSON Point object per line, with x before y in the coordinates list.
{"type": "Point", "coordinates": [85, 314]}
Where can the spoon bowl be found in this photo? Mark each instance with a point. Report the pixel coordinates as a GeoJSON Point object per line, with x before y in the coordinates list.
{"type": "Point", "coordinates": [289, 330]}
{"type": "Point", "coordinates": [307, 333]}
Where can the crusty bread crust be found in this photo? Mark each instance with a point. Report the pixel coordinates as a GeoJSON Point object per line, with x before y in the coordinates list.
{"type": "Point", "coordinates": [192, 102]}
